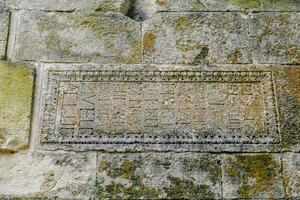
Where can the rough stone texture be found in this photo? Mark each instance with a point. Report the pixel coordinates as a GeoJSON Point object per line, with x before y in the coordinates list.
{"type": "Point", "coordinates": [288, 94]}
{"type": "Point", "coordinates": [16, 88]}
{"type": "Point", "coordinates": [77, 37]}
{"type": "Point", "coordinates": [4, 23]}
{"type": "Point", "coordinates": [227, 5]}
{"type": "Point", "coordinates": [159, 176]}
{"type": "Point", "coordinates": [229, 38]}
{"type": "Point", "coordinates": [71, 5]}
{"type": "Point", "coordinates": [252, 176]}
{"type": "Point", "coordinates": [2, 4]}
{"type": "Point", "coordinates": [67, 176]}
{"type": "Point", "coordinates": [150, 99]}
{"type": "Point", "coordinates": [277, 37]}
{"type": "Point", "coordinates": [193, 38]}
{"type": "Point", "coordinates": [291, 174]}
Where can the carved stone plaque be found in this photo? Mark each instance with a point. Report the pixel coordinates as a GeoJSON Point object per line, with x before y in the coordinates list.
{"type": "Point", "coordinates": [117, 107]}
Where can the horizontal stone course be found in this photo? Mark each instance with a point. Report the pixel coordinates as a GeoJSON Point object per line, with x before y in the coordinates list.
{"type": "Point", "coordinates": [76, 37]}
{"type": "Point", "coordinates": [70, 5]}
{"type": "Point", "coordinates": [159, 176]}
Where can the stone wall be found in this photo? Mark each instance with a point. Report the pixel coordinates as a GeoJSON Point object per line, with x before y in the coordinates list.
{"type": "Point", "coordinates": [149, 99]}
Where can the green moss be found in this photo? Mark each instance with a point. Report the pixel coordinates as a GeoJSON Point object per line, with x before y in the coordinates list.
{"type": "Point", "coordinates": [185, 189]}
{"type": "Point", "coordinates": [232, 58]}
{"type": "Point", "coordinates": [16, 87]}
{"type": "Point", "coordinates": [182, 23]}
{"type": "Point", "coordinates": [247, 4]}
{"type": "Point", "coordinates": [260, 168]}
{"type": "Point", "coordinates": [205, 164]}
{"type": "Point", "coordinates": [135, 190]}
{"type": "Point", "coordinates": [148, 41]}
{"type": "Point", "coordinates": [160, 2]}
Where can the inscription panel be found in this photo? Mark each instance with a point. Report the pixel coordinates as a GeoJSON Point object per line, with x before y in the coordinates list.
{"type": "Point", "coordinates": [159, 108]}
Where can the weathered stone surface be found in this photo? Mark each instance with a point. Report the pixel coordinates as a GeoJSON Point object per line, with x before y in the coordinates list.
{"type": "Point", "coordinates": [221, 37]}
{"type": "Point", "coordinates": [159, 176]}
{"type": "Point", "coordinates": [77, 37]}
{"type": "Point", "coordinates": [252, 176]}
{"type": "Point", "coordinates": [279, 5]}
{"type": "Point", "coordinates": [143, 9]}
{"type": "Point", "coordinates": [193, 38]}
{"type": "Point", "coordinates": [71, 5]}
{"type": "Point", "coordinates": [2, 4]}
{"type": "Point", "coordinates": [287, 81]}
{"type": "Point", "coordinates": [16, 88]}
{"type": "Point", "coordinates": [156, 108]}
{"type": "Point", "coordinates": [291, 174]}
{"type": "Point", "coordinates": [277, 37]}
{"type": "Point", "coordinates": [67, 176]}
{"type": "Point", "coordinates": [4, 23]}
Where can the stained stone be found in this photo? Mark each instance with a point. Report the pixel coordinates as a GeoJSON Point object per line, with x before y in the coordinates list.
{"type": "Point", "coordinates": [70, 5]}
{"type": "Point", "coordinates": [252, 176]}
{"type": "Point", "coordinates": [291, 174]}
{"type": "Point", "coordinates": [287, 80]}
{"type": "Point", "coordinates": [4, 23]}
{"type": "Point", "coordinates": [159, 176]}
{"type": "Point", "coordinates": [59, 175]}
{"type": "Point", "coordinates": [279, 5]}
{"type": "Point", "coordinates": [76, 37]}
{"type": "Point", "coordinates": [277, 37]}
{"type": "Point", "coordinates": [16, 88]}
{"type": "Point", "coordinates": [157, 109]}
{"type": "Point", "coordinates": [193, 38]}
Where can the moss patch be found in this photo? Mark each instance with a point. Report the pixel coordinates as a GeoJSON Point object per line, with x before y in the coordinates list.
{"type": "Point", "coordinates": [256, 173]}
{"type": "Point", "coordinates": [16, 87]}
{"type": "Point", "coordinates": [148, 41]}
{"type": "Point", "coordinates": [247, 4]}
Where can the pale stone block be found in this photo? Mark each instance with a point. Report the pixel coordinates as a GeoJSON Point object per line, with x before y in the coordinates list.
{"type": "Point", "coordinates": [16, 91]}
{"type": "Point", "coordinates": [59, 175]}
{"type": "Point", "coordinates": [248, 176]}
{"type": "Point", "coordinates": [193, 38]}
{"type": "Point", "coordinates": [70, 5]}
{"type": "Point", "coordinates": [291, 174]}
{"type": "Point", "coordinates": [279, 5]}
{"type": "Point", "coordinates": [277, 37]}
{"type": "Point", "coordinates": [159, 176]}
{"type": "Point", "coordinates": [77, 37]}
{"type": "Point", "coordinates": [4, 25]}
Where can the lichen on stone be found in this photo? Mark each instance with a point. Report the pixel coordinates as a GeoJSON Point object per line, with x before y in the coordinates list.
{"type": "Point", "coordinates": [16, 89]}
{"type": "Point", "coordinates": [256, 174]}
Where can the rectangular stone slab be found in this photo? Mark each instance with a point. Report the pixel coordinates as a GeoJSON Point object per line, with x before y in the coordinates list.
{"type": "Point", "coordinates": [97, 109]}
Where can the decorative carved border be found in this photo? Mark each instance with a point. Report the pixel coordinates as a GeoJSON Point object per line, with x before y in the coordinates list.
{"type": "Point", "coordinates": [49, 135]}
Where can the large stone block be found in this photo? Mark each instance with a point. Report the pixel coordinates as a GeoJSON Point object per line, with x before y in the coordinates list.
{"type": "Point", "coordinates": [105, 107]}
{"type": "Point", "coordinates": [287, 81]}
{"type": "Point", "coordinates": [71, 5]}
{"type": "Point", "coordinates": [16, 88]}
{"type": "Point", "coordinates": [193, 38]}
{"type": "Point", "coordinates": [277, 37]}
{"type": "Point", "coordinates": [59, 175]}
{"type": "Point", "coordinates": [76, 37]}
{"type": "Point", "coordinates": [4, 25]}
{"type": "Point", "coordinates": [291, 174]}
{"type": "Point", "coordinates": [222, 37]}
{"type": "Point", "coordinates": [252, 176]}
{"type": "Point", "coordinates": [279, 5]}
{"type": "Point", "coordinates": [159, 176]}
